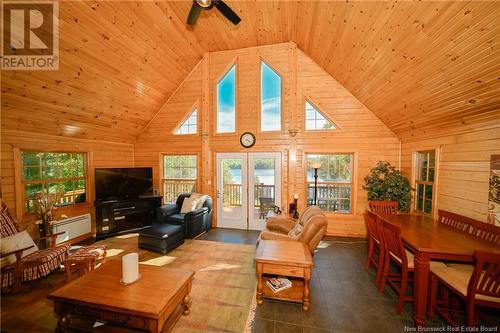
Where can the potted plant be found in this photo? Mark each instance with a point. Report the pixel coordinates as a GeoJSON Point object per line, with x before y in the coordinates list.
{"type": "Point", "coordinates": [386, 183]}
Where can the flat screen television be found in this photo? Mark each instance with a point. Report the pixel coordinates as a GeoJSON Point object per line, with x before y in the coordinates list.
{"type": "Point", "coordinates": [122, 183]}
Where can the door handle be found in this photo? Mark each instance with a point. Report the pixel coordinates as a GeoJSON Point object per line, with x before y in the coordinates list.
{"type": "Point", "coordinates": [218, 194]}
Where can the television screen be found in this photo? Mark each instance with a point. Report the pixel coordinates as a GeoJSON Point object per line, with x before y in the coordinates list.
{"type": "Point", "coordinates": [123, 183]}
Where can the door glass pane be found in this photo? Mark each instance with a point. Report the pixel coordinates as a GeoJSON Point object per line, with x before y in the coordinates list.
{"type": "Point", "coordinates": [264, 187]}
{"type": "Point", "coordinates": [231, 182]}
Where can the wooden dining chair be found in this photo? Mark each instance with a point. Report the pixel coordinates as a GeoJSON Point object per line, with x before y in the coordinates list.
{"type": "Point", "coordinates": [374, 243]}
{"type": "Point", "coordinates": [395, 252]}
{"type": "Point", "coordinates": [479, 286]}
{"type": "Point", "coordinates": [456, 221]}
{"type": "Point", "coordinates": [384, 207]}
{"type": "Point", "coordinates": [486, 231]}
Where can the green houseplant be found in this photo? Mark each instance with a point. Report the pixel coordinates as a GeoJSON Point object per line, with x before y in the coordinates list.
{"type": "Point", "coordinates": [386, 183]}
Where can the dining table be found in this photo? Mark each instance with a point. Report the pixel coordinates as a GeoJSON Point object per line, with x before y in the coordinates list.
{"type": "Point", "coordinates": [430, 240]}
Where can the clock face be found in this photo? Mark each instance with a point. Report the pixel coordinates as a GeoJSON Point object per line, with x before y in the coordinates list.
{"type": "Point", "coordinates": [247, 139]}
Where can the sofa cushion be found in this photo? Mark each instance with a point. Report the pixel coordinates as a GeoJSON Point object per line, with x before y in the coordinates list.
{"type": "Point", "coordinates": [175, 218]}
{"type": "Point", "coordinates": [15, 242]}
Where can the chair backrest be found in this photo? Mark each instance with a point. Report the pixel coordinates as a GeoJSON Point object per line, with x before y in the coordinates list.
{"type": "Point", "coordinates": [485, 279]}
{"type": "Point", "coordinates": [391, 235]}
{"type": "Point", "coordinates": [452, 220]}
{"type": "Point", "coordinates": [384, 207]}
{"type": "Point", "coordinates": [314, 228]}
{"type": "Point", "coordinates": [486, 231]}
{"type": "Point", "coordinates": [307, 213]}
{"type": "Point", "coordinates": [7, 225]}
{"type": "Point", "coordinates": [371, 220]}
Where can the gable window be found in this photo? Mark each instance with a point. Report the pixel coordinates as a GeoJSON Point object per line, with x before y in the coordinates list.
{"type": "Point", "coordinates": [226, 102]}
{"type": "Point", "coordinates": [179, 176]}
{"type": "Point", "coordinates": [190, 125]}
{"type": "Point", "coordinates": [270, 103]}
{"type": "Point", "coordinates": [424, 180]}
{"type": "Point", "coordinates": [315, 120]}
{"type": "Point", "coordinates": [334, 191]}
{"type": "Point", "coordinates": [62, 173]}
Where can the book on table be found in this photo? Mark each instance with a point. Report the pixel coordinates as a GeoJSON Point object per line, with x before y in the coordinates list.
{"type": "Point", "coordinates": [279, 283]}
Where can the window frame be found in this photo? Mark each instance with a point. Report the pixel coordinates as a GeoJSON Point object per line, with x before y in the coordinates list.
{"type": "Point", "coordinates": [416, 181]}
{"type": "Point", "coordinates": [193, 108]}
{"type": "Point", "coordinates": [226, 70]}
{"type": "Point", "coordinates": [259, 97]}
{"type": "Point", "coordinates": [21, 183]}
{"type": "Point", "coordinates": [162, 172]}
{"type": "Point", "coordinates": [353, 182]}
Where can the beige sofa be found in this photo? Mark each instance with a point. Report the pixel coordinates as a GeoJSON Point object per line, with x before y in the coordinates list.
{"type": "Point", "coordinates": [309, 228]}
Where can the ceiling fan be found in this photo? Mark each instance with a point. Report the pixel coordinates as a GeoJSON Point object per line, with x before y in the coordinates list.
{"type": "Point", "coordinates": [199, 5]}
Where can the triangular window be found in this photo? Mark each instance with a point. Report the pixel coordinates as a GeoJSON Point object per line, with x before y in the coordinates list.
{"type": "Point", "coordinates": [315, 120]}
{"type": "Point", "coordinates": [190, 125]}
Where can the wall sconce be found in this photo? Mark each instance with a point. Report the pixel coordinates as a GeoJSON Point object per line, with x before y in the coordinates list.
{"type": "Point", "coordinates": [293, 132]}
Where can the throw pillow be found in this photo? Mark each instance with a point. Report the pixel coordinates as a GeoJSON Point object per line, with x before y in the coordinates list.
{"type": "Point", "coordinates": [201, 201]}
{"type": "Point", "coordinates": [188, 205]}
{"type": "Point", "coordinates": [18, 241]}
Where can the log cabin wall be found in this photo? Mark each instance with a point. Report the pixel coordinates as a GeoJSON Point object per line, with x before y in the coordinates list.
{"type": "Point", "coordinates": [463, 169]}
{"type": "Point", "coordinates": [99, 154]}
{"type": "Point", "coordinates": [360, 133]}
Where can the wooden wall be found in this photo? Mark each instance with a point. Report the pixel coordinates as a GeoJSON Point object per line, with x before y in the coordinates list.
{"type": "Point", "coordinates": [100, 154]}
{"type": "Point", "coordinates": [360, 131]}
{"type": "Point", "coordinates": [463, 169]}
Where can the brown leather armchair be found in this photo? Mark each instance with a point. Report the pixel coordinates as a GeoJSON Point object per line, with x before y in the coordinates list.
{"type": "Point", "coordinates": [310, 228]}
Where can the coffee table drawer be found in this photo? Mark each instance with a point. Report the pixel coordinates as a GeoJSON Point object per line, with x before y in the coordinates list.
{"type": "Point", "coordinates": [283, 270]}
{"type": "Point", "coordinates": [109, 316]}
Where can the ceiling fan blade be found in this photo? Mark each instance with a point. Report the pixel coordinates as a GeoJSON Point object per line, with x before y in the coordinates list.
{"type": "Point", "coordinates": [227, 12]}
{"type": "Point", "coordinates": [194, 13]}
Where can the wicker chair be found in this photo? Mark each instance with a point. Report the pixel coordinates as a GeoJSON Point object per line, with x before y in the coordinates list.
{"type": "Point", "coordinates": [32, 266]}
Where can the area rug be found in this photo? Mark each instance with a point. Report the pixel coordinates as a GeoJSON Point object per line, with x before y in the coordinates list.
{"type": "Point", "coordinates": [222, 292]}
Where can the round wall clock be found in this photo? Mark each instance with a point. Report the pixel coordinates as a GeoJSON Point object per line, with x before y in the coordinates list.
{"type": "Point", "coordinates": [247, 139]}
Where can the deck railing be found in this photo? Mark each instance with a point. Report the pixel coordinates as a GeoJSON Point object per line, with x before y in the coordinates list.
{"type": "Point", "coordinates": [331, 196]}
{"type": "Point", "coordinates": [173, 187]}
{"type": "Point", "coordinates": [232, 192]}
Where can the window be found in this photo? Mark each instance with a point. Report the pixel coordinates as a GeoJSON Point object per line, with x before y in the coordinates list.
{"type": "Point", "coordinates": [334, 192]}
{"type": "Point", "coordinates": [63, 173]}
{"type": "Point", "coordinates": [179, 176]}
{"type": "Point", "coordinates": [226, 102]}
{"type": "Point", "coordinates": [424, 181]}
{"type": "Point", "coordinates": [270, 103]}
{"type": "Point", "coordinates": [315, 120]}
{"type": "Point", "coordinates": [189, 126]}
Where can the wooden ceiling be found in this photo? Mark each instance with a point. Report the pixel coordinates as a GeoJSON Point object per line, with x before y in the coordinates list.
{"type": "Point", "coordinates": [424, 68]}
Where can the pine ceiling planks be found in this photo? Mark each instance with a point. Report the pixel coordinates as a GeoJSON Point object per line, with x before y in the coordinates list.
{"type": "Point", "coordinates": [424, 68]}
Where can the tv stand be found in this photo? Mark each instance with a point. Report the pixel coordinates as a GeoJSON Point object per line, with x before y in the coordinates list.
{"type": "Point", "coordinates": [122, 216]}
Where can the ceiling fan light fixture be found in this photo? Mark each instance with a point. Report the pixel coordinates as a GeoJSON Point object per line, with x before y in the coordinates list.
{"type": "Point", "coordinates": [204, 3]}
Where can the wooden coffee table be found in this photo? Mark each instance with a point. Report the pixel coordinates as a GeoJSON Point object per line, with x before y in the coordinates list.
{"type": "Point", "coordinates": [153, 303]}
{"type": "Point", "coordinates": [284, 258]}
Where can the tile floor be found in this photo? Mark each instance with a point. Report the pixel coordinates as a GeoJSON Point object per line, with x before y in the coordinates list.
{"type": "Point", "coordinates": [344, 298]}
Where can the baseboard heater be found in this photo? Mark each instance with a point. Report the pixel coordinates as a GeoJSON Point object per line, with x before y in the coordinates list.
{"type": "Point", "coordinates": [73, 226]}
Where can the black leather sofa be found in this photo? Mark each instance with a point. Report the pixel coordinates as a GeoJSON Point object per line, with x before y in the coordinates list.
{"type": "Point", "coordinates": [193, 223]}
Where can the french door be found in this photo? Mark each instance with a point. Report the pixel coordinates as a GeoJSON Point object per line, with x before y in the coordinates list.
{"type": "Point", "coordinates": [248, 187]}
